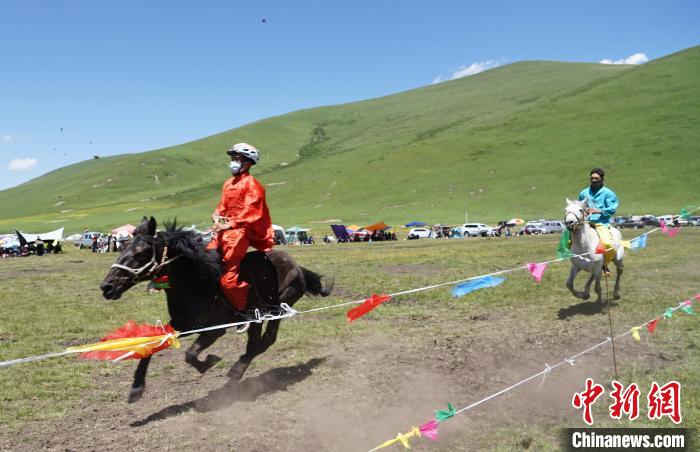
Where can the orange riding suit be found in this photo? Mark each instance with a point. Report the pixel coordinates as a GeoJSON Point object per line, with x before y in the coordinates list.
{"type": "Point", "coordinates": [243, 203]}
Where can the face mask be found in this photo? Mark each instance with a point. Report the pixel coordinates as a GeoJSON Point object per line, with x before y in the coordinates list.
{"type": "Point", "coordinates": [596, 183]}
{"type": "Point", "coordinates": [235, 167]}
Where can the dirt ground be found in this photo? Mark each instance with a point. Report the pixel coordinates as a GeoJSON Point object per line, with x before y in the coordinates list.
{"type": "Point", "coordinates": [348, 397]}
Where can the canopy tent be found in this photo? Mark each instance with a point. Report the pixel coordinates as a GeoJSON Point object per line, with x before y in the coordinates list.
{"type": "Point", "coordinates": [280, 237]}
{"type": "Point", "coordinates": [9, 241]}
{"type": "Point", "coordinates": [354, 227]}
{"type": "Point", "coordinates": [126, 228]}
{"type": "Point", "coordinates": [414, 224]}
{"type": "Point", "coordinates": [381, 226]}
{"type": "Point", "coordinates": [515, 222]}
{"type": "Point", "coordinates": [295, 229]}
{"type": "Point", "coordinates": [297, 234]}
{"type": "Point", "coordinates": [341, 232]}
{"type": "Point", "coordinates": [52, 236]}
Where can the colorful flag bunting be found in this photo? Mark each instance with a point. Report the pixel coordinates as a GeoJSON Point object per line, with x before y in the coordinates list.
{"type": "Point", "coordinates": [670, 231]}
{"type": "Point", "coordinates": [669, 313]}
{"type": "Point", "coordinates": [564, 249]}
{"type": "Point", "coordinates": [430, 430]}
{"type": "Point", "coordinates": [401, 438]}
{"type": "Point", "coordinates": [536, 270]}
{"type": "Point", "coordinates": [685, 211]}
{"type": "Point", "coordinates": [476, 284]}
{"type": "Point", "coordinates": [443, 415]}
{"type": "Point", "coordinates": [687, 303]}
{"type": "Point", "coordinates": [366, 306]}
{"type": "Point", "coordinates": [651, 326]}
{"type": "Point", "coordinates": [688, 310]}
{"type": "Point", "coordinates": [639, 242]}
{"type": "Point", "coordinates": [635, 333]}
{"type": "Point", "coordinates": [130, 341]}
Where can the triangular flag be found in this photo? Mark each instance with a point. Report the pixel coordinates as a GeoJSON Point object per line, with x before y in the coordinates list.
{"type": "Point", "coordinates": [132, 340]}
{"type": "Point", "coordinates": [639, 242]}
{"type": "Point", "coordinates": [668, 313]}
{"type": "Point", "coordinates": [687, 303]}
{"type": "Point", "coordinates": [442, 415]}
{"type": "Point", "coordinates": [635, 333]}
{"type": "Point", "coordinates": [536, 270]}
{"type": "Point", "coordinates": [564, 249]}
{"type": "Point", "coordinates": [651, 326]}
{"type": "Point", "coordinates": [688, 310]}
{"type": "Point", "coordinates": [366, 306]}
{"type": "Point", "coordinates": [475, 284]}
{"type": "Point", "coordinates": [600, 248]}
{"type": "Point", "coordinates": [685, 211]}
{"type": "Point", "coordinates": [626, 244]}
{"type": "Point", "coordinates": [670, 231]}
{"type": "Point", "coordinates": [430, 430]}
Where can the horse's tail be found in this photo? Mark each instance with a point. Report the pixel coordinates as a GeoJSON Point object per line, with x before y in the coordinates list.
{"type": "Point", "coordinates": [314, 285]}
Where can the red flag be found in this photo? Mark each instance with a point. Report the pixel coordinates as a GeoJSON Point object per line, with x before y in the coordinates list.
{"type": "Point", "coordinates": [600, 249]}
{"type": "Point", "coordinates": [366, 306]}
{"type": "Point", "coordinates": [651, 326]}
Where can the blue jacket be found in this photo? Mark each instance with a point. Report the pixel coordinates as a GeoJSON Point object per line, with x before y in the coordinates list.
{"type": "Point", "coordinates": [603, 199]}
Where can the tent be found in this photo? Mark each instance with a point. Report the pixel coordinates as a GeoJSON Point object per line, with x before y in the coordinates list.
{"type": "Point", "coordinates": [127, 228]}
{"type": "Point", "coordinates": [296, 234]}
{"type": "Point", "coordinates": [280, 238]}
{"type": "Point", "coordinates": [51, 236]}
{"type": "Point", "coordinates": [341, 232]}
{"type": "Point", "coordinates": [381, 226]}
{"type": "Point", "coordinates": [414, 224]}
{"type": "Point", "coordinates": [354, 227]}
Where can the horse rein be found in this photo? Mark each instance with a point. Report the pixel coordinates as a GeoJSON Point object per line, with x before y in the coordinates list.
{"type": "Point", "coordinates": [152, 266]}
{"type": "Point", "coordinates": [579, 221]}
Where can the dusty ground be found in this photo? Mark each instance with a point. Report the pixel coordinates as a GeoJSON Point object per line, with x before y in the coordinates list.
{"type": "Point", "coordinates": [348, 397]}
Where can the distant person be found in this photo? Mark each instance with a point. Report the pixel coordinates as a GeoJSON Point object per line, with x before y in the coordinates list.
{"type": "Point", "coordinates": [241, 219]}
{"type": "Point", "coordinates": [57, 247]}
{"type": "Point", "coordinates": [95, 244]}
{"type": "Point", "coordinates": [39, 246]}
{"type": "Point", "coordinates": [602, 205]}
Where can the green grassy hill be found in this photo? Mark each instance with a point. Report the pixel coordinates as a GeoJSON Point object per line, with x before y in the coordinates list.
{"type": "Point", "coordinates": [513, 141]}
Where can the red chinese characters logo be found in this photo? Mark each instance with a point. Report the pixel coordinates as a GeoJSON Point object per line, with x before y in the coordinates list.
{"type": "Point", "coordinates": [665, 401]}
{"type": "Point", "coordinates": [587, 398]}
{"type": "Point", "coordinates": [662, 400]}
{"type": "Point", "coordinates": [626, 400]}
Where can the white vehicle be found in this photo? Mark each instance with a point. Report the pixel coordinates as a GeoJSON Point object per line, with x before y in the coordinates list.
{"type": "Point", "coordinates": [552, 226]}
{"type": "Point", "coordinates": [86, 240]}
{"type": "Point", "coordinates": [420, 233]}
{"type": "Point", "coordinates": [474, 229]}
{"type": "Point", "coordinates": [669, 219]}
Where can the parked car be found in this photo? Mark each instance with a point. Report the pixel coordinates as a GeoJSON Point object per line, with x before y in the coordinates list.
{"type": "Point", "coordinates": [673, 220]}
{"type": "Point", "coordinates": [474, 229]}
{"type": "Point", "coordinates": [632, 223]}
{"type": "Point", "coordinates": [86, 240]}
{"type": "Point", "coordinates": [552, 226]}
{"type": "Point", "coordinates": [531, 229]}
{"type": "Point", "coordinates": [420, 233]}
{"type": "Point", "coordinates": [694, 221]}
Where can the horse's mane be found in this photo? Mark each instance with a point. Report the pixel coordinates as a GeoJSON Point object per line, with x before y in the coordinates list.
{"type": "Point", "coordinates": [204, 264]}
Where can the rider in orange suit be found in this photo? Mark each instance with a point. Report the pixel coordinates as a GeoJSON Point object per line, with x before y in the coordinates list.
{"type": "Point", "coordinates": [241, 219]}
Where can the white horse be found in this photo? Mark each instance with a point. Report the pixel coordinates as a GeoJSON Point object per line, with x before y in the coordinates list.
{"type": "Point", "coordinates": [584, 240]}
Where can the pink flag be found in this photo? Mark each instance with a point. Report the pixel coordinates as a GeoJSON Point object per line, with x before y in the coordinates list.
{"type": "Point", "coordinates": [429, 430]}
{"type": "Point", "coordinates": [670, 231]}
{"type": "Point", "coordinates": [537, 270]}
{"type": "Point", "coordinates": [687, 303]}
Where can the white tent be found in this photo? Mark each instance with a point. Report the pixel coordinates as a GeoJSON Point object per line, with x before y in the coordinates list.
{"type": "Point", "coordinates": [55, 236]}
{"type": "Point", "coordinates": [280, 236]}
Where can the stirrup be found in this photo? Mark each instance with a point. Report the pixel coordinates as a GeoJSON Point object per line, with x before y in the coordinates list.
{"type": "Point", "coordinates": [240, 329]}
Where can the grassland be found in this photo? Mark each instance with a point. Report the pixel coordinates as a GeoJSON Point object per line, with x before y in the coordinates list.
{"type": "Point", "coordinates": [378, 375]}
{"type": "Point", "coordinates": [510, 142]}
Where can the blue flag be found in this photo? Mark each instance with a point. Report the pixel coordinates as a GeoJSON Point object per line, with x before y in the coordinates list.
{"type": "Point", "coordinates": [640, 242]}
{"type": "Point", "coordinates": [476, 284]}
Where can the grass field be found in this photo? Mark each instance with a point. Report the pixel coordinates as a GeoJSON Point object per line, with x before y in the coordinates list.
{"type": "Point", "coordinates": [378, 375]}
{"type": "Point", "coordinates": [510, 142]}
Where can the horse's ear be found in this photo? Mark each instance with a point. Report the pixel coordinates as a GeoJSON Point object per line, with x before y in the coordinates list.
{"type": "Point", "coordinates": [568, 202]}
{"type": "Point", "coordinates": [152, 226]}
{"type": "Point", "coordinates": [142, 227]}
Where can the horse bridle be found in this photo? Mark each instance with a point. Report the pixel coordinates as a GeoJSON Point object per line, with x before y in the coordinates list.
{"type": "Point", "coordinates": [579, 221]}
{"type": "Point", "coordinates": [152, 266]}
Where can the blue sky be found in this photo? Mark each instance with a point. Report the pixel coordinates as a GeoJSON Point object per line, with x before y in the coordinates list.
{"type": "Point", "coordinates": [84, 78]}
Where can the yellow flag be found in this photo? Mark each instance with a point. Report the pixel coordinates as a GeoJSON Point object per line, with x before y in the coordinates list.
{"type": "Point", "coordinates": [635, 333]}
{"type": "Point", "coordinates": [626, 244]}
{"type": "Point", "coordinates": [128, 344]}
{"type": "Point", "coordinates": [402, 438]}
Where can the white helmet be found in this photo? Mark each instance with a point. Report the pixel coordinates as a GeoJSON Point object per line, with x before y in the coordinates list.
{"type": "Point", "coordinates": [246, 150]}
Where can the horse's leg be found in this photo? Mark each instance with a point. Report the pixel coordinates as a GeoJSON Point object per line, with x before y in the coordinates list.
{"type": "Point", "coordinates": [139, 384]}
{"type": "Point", "coordinates": [587, 287]}
{"type": "Point", "coordinates": [270, 335]}
{"type": "Point", "coordinates": [200, 344]}
{"type": "Point", "coordinates": [252, 350]}
{"type": "Point", "coordinates": [620, 268]}
{"type": "Point", "coordinates": [570, 282]}
{"type": "Point", "coordinates": [598, 273]}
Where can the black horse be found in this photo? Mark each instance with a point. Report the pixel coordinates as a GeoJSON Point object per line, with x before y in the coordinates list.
{"type": "Point", "coordinates": [195, 299]}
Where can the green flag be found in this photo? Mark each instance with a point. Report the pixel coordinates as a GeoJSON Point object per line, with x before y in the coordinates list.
{"type": "Point", "coordinates": [564, 249]}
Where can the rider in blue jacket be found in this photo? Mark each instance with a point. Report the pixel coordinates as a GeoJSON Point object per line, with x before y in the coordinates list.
{"type": "Point", "coordinates": [602, 204]}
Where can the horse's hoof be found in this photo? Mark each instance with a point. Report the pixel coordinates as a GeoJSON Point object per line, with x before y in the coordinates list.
{"type": "Point", "coordinates": [135, 394]}
{"type": "Point", "coordinates": [237, 370]}
{"type": "Point", "coordinates": [585, 296]}
{"type": "Point", "coordinates": [202, 366]}
{"type": "Point", "coordinates": [617, 296]}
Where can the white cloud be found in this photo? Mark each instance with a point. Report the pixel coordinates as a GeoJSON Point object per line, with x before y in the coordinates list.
{"type": "Point", "coordinates": [637, 58]}
{"type": "Point", "coordinates": [474, 68]}
{"type": "Point", "coordinates": [9, 138]}
{"type": "Point", "coordinates": [21, 164]}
